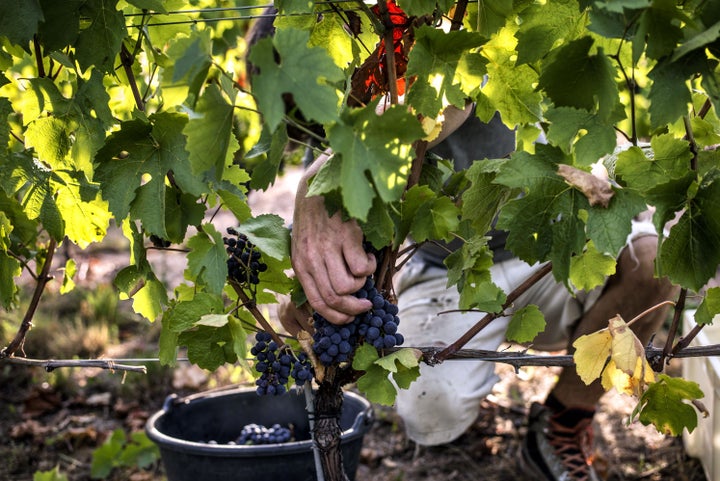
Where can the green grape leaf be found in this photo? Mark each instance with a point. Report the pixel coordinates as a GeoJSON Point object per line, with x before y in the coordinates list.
{"type": "Point", "coordinates": [181, 211]}
{"type": "Point", "coordinates": [375, 147]}
{"type": "Point", "coordinates": [591, 268]}
{"type": "Point", "coordinates": [239, 334]}
{"type": "Point", "coordinates": [61, 23]}
{"type": "Point", "coordinates": [591, 86]}
{"type": "Point", "coordinates": [140, 150]}
{"type": "Point", "coordinates": [709, 307]}
{"type": "Point", "coordinates": [184, 315]}
{"type": "Point", "coordinates": [9, 269]}
{"type": "Point", "coordinates": [483, 198]}
{"type": "Point", "coordinates": [403, 357]}
{"type": "Point", "coordinates": [469, 269]}
{"type": "Point", "coordinates": [566, 124]}
{"type": "Point", "coordinates": [664, 405]}
{"type": "Point", "coordinates": [207, 259]}
{"type": "Point", "coordinates": [435, 62]}
{"type": "Point", "coordinates": [69, 272]}
{"type": "Point", "coordinates": [609, 227]}
{"type": "Point", "coordinates": [380, 226]}
{"type": "Point", "coordinates": [491, 16]}
{"type": "Point", "coordinates": [84, 213]}
{"type": "Point", "coordinates": [525, 324]}
{"type": "Point", "coordinates": [19, 20]}
{"type": "Point", "coordinates": [669, 94]}
{"type": "Point", "coordinates": [544, 25]}
{"type": "Point", "coordinates": [210, 139]}
{"type": "Point", "coordinates": [658, 27]}
{"type": "Point", "coordinates": [149, 300]}
{"type": "Point", "coordinates": [235, 201]}
{"type": "Point", "coordinates": [265, 172]}
{"type": "Point", "coordinates": [99, 43]}
{"type": "Point", "coordinates": [189, 60]}
{"type": "Point", "coordinates": [668, 159]}
{"type": "Point", "coordinates": [304, 72]}
{"type": "Point", "coordinates": [5, 110]}
{"type": "Point", "coordinates": [425, 215]}
{"type": "Point", "coordinates": [510, 88]}
{"type": "Point", "coordinates": [140, 451]}
{"type": "Point", "coordinates": [269, 234]}
{"type": "Point", "coordinates": [294, 6]}
{"type": "Point", "coordinates": [167, 345]}
{"type": "Point", "coordinates": [376, 386]}
{"type": "Point", "coordinates": [544, 223]}
{"type": "Point", "coordinates": [209, 347]}
{"type": "Point", "coordinates": [213, 320]}
{"type": "Point", "coordinates": [365, 356]}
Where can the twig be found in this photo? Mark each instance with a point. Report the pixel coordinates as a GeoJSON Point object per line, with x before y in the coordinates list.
{"type": "Point", "coordinates": [459, 14]}
{"type": "Point", "coordinates": [473, 331]}
{"type": "Point", "coordinates": [126, 60]}
{"type": "Point", "coordinates": [26, 324]}
{"type": "Point", "coordinates": [649, 310]}
{"type": "Point", "coordinates": [52, 364]}
{"type": "Point", "coordinates": [38, 57]}
{"type": "Point", "coordinates": [251, 306]}
{"type": "Point", "coordinates": [391, 73]}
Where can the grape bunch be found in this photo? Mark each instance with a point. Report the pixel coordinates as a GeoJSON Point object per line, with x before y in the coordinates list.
{"type": "Point", "coordinates": [378, 326]}
{"type": "Point", "coordinates": [302, 370]}
{"type": "Point", "coordinates": [258, 434]}
{"type": "Point", "coordinates": [274, 366]}
{"type": "Point", "coordinates": [244, 264]}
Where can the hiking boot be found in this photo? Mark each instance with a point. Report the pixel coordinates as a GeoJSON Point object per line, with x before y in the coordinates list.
{"type": "Point", "coordinates": [554, 452]}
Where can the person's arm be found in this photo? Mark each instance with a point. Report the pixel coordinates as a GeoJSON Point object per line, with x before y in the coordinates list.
{"type": "Point", "coordinates": [328, 256]}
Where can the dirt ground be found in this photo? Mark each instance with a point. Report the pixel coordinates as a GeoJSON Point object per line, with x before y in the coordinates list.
{"type": "Point", "coordinates": [58, 419]}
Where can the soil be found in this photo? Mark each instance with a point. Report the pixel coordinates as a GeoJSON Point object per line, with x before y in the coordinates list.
{"type": "Point", "coordinates": [58, 419]}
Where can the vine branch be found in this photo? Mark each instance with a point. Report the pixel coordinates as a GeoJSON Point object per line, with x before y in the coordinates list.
{"type": "Point", "coordinates": [52, 364]}
{"type": "Point", "coordinates": [42, 279]}
{"type": "Point", "coordinates": [126, 60]}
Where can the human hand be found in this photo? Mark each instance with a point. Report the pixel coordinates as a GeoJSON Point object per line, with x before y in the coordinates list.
{"type": "Point", "coordinates": [328, 257]}
{"type": "Point", "coordinates": [294, 318]}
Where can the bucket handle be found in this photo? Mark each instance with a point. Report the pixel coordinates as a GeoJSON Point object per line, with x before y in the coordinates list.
{"type": "Point", "coordinates": [364, 419]}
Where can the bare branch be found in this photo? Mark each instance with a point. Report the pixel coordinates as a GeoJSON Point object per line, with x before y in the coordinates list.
{"type": "Point", "coordinates": [52, 364]}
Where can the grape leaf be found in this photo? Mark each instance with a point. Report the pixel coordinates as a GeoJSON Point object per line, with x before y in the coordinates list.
{"type": "Point", "coordinates": [376, 386]}
{"type": "Point", "coordinates": [435, 62]}
{"type": "Point", "coordinates": [591, 268]}
{"type": "Point", "coordinates": [140, 150]}
{"type": "Point", "coordinates": [510, 88]}
{"type": "Point", "coordinates": [609, 227]}
{"type": "Point", "coordinates": [525, 324]}
{"type": "Point", "coordinates": [9, 269]}
{"type": "Point", "coordinates": [294, 6]}
{"type": "Point", "coordinates": [592, 84]}
{"type": "Point", "coordinates": [425, 215]}
{"type": "Point", "coordinates": [267, 231]}
{"type": "Point", "coordinates": [469, 269]}
{"type": "Point", "coordinates": [51, 475]}
{"type": "Point", "coordinates": [304, 72]}
{"type": "Point", "coordinates": [668, 159]}
{"type": "Point", "coordinates": [149, 300]}
{"type": "Point", "coordinates": [265, 172]}
{"type": "Point", "coordinates": [19, 20]}
{"type": "Point", "coordinates": [189, 60]}
{"type": "Point", "coordinates": [664, 405]}
{"type": "Point", "coordinates": [167, 345]}
{"type": "Point", "coordinates": [374, 383]}
{"type": "Point", "coordinates": [99, 43]}
{"type": "Point", "coordinates": [368, 145]}
{"type": "Point", "coordinates": [61, 23]}
{"type": "Point", "coordinates": [207, 259]}
{"type": "Point", "coordinates": [181, 210]}
{"type": "Point", "coordinates": [591, 354]}
{"type": "Point", "coordinates": [669, 94]}
{"type": "Point", "coordinates": [544, 25]}
{"type": "Point", "coordinates": [566, 123]}
{"type": "Point", "coordinates": [424, 7]}
{"type": "Point", "coordinates": [544, 223]}
{"type": "Point", "coordinates": [379, 228]}
{"type": "Point", "coordinates": [184, 315]}
{"type": "Point", "coordinates": [709, 307]}
{"type": "Point", "coordinates": [209, 347]}
{"type": "Point", "coordinates": [210, 140]}
{"type": "Point", "coordinates": [658, 27]}
{"type": "Point", "coordinates": [482, 200]}
{"type": "Point", "coordinates": [153, 5]}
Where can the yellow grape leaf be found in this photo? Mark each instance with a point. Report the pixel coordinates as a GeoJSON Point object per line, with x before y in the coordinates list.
{"type": "Point", "coordinates": [612, 377]}
{"type": "Point", "coordinates": [633, 384]}
{"type": "Point", "coordinates": [626, 347]}
{"type": "Point", "coordinates": [591, 353]}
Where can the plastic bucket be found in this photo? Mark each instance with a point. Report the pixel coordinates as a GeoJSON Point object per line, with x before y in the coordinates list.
{"type": "Point", "coordinates": [184, 427]}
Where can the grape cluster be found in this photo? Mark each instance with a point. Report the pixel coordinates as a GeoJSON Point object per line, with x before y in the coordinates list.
{"type": "Point", "coordinates": [259, 434]}
{"type": "Point", "coordinates": [274, 366]}
{"type": "Point", "coordinates": [244, 264]}
{"type": "Point", "coordinates": [378, 326]}
{"type": "Point", "coordinates": [302, 370]}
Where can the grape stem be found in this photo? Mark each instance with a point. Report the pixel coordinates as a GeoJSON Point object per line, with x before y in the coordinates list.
{"type": "Point", "coordinates": [251, 306]}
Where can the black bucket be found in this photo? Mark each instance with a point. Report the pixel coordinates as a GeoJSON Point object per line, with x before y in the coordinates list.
{"type": "Point", "coordinates": [184, 428]}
